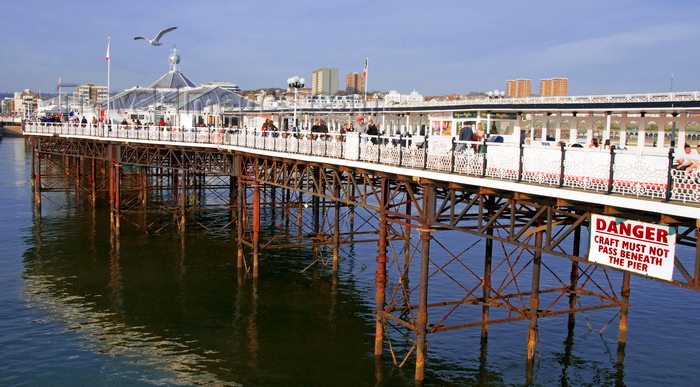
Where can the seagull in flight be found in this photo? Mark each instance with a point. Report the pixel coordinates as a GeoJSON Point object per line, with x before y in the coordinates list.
{"type": "Point", "coordinates": [156, 40]}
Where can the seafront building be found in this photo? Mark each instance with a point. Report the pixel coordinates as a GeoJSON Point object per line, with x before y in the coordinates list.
{"type": "Point", "coordinates": [90, 93]}
{"type": "Point", "coordinates": [324, 81]}
{"type": "Point", "coordinates": [394, 97]}
{"type": "Point", "coordinates": [554, 87]}
{"type": "Point", "coordinates": [518, 88]}
{"type": "Point", "coordinates": [22, 104]}
{"type": "Point", "coordinates": [179, 102]}
{"type": "Point", "coordinates": [354, 84]}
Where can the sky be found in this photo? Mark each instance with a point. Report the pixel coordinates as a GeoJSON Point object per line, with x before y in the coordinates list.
{"type": "Point", "coordinates": [433, 47]}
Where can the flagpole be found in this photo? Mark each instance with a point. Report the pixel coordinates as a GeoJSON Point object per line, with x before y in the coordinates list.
{"type": "Point", "coordinates": [59, 97]}
{"type": "Point", "coordinates": [365, 74]}
{"type": "Point", "coordinates": [109, 70]}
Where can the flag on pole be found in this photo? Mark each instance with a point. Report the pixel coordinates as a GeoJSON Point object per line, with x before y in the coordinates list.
{"type": "Point", "coordinates": [109, 43]}
{"type": "Point", "coordinates": [364, 73]}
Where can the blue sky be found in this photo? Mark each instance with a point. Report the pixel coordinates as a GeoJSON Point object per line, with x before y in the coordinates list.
{"type": "Point", "coordinates": [433, 47]}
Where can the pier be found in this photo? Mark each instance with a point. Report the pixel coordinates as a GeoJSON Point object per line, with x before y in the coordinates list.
{"type": "Point", "coordinates": [540, 203]}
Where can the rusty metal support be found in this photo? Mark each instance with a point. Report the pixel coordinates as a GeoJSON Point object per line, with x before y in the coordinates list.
{"type": "Point", "coordinates": [486, 282]}
{"type": "Point", "coordinates": [36, 175]}
{"type": "Point", "coordinates": [574, 278]}
{"type": "Point", "coordinates": [406, 246]}
{"type": "Point", "coordinates": [114, 186]}
{"type": "Point", "coordinates": [92, 175]}
{"type": "Point", "coordinates": [624, 314]}
{"type": "Point", "coordinates": [256, 229]}
{"type": "Point", "coordinates": [182, 204]}
{"type": "Point", "coordinates": [240, 216]}
{"type": "Point", "coordinates": [232, 194]}
{"type": "Point", "coordinates": [143, 187]}
{"type": "Point", "coordinates": [175, 176]}
{"type": "Point", "coordinates": [336, 230]}
{"type": "Point", "coordinates": [534, 309]}
{"type": "Point", "coordinates": [422, 321]}
{"type": "Point", "coordinates": [316, 210]}
{"type": "Point", "coordinates": [77, 164]}
{"type": "Point", "coordinates": [381, 278]}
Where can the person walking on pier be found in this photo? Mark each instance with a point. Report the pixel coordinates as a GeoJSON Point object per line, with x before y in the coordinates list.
{"type": "Point", "coordinates": [323, 129]}
{"type": "Point", "coordinates": [362, 129]}
{"type": "Point", "coordinates": [315, 129]}
{"type": "Point", "coordinates": [268, 127]}
{"type": "Point", "coordinates": [465, 134]}
{"type": "Point", "coordinates": [373, 131]}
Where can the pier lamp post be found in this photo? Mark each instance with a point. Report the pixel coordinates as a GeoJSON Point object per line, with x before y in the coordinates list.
{"type": "Point", "coordinates": [295, 83]}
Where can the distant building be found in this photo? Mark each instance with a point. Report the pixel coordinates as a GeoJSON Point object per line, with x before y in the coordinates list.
{"type": "Point", "coordinates": [89, 93]}
{"type": "Point", "coordinates": [324, 81]}
{"type": "Point", "coordinates": [518, 88]}
{"type": "Point", "coordinates": [394, 97]}
{"type": "Point", "coordinates": [8, 106]}
{"type": "Point", "coordinates": [354, 84]}
{"type": "Point", "coordinates": [25, 103]}
{"type": "Point", "coordinates": [554, 86]}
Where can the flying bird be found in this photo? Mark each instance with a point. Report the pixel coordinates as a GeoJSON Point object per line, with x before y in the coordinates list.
{"type": "Point", "coordinates": [156, 40]}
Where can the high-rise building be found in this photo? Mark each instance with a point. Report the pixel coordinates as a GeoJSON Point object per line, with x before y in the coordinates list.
{"type": "Point", "coordinates": [518, 88]}
{"type": "Point", "coordinates": [554, 86]}
{"type": "Point", "coordinates": [324, 81]}
{"type": "Point", "coordinates": [90, 93]}
{"type": "Point", "coordinates": [354, 84]}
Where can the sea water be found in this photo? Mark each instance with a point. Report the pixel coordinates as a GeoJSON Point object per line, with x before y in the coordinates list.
{"type": "Point", "coordinates": [78, 307]}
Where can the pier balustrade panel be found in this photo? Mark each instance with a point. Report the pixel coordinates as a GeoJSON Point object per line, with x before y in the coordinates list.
{"type": "Point", "coordinates": [638, 173]}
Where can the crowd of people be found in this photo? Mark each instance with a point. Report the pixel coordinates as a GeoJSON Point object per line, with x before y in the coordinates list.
{"type": "Point", "coordinates": [320, 130]}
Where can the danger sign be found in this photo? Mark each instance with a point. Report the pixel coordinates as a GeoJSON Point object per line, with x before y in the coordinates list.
{"type": "Point", "coordinates": [643, 248]}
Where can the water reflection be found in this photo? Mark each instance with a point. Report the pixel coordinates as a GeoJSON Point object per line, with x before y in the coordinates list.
{"type": "Point", "coordinates": [172, 308]}
{"type": "Point", "coordinates": [178, 308]}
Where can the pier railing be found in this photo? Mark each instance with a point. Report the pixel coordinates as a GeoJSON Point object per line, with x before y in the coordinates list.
{"type": "Point", "coordinates": [633, 173]}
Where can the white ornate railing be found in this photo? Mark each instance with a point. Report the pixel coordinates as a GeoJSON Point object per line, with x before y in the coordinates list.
{"type": "Point", "coordinates": [628, 173]}
{"type": "Point", "coordinates": [574, 99]}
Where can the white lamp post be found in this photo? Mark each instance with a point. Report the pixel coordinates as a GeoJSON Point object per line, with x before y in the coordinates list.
{"type": "Point", "coordinates": [496, 94]}
{"type": "Point", "coordinates": [295, 83]}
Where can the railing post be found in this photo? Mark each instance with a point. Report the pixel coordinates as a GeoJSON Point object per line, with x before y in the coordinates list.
{"type": "Point", "coordinates": [521, 146]}
{"type": "Point", "coordinates": [561, 165]}
{"type": "Point", "coordinates": [452, 155]}
{"type": "Point", "coordinates": [485, 153]}
{"type": "Point", "coordinates": [669, 181]}
{"type": "Point", "coordinates": [611, 175]}
{"type": "Point", "coordinates": [342, 146]}
{"type": "Point", "coordinates": [425, 154]}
